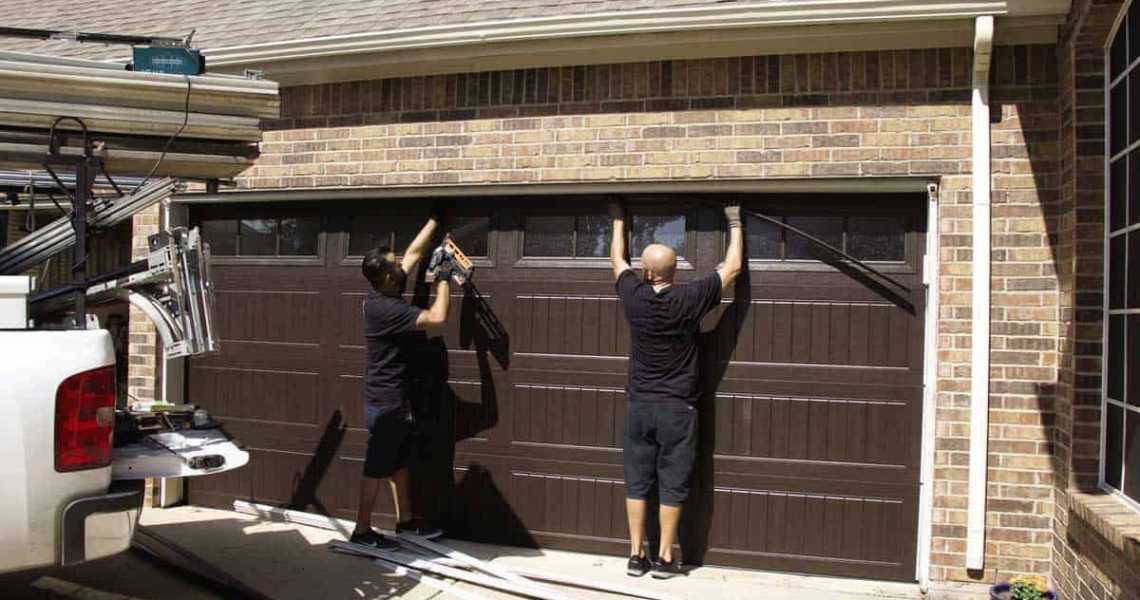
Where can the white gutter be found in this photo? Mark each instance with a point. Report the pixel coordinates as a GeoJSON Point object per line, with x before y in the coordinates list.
{"type": "Point", "coordinates": [703, 18]}
{"type": "Point", "coordinates": [980, 313]}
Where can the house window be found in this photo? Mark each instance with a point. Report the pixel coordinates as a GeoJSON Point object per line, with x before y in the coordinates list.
{"type": "Point", "coordinates": [262, 235]}
{"type": "Point", "coordinates": [567, 236]}
{"type": "Point", "coordinates": [872, 237]}
{"type": "Point", "coordinates": [1120, 467]}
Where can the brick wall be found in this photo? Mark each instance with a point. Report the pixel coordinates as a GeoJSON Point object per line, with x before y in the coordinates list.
{"type": "Point", "coordinates": [845, 114]}
{"type": "Point", "coordinates": [142, 376]}
{"type": "Point", "coordinates": [1085, 564]}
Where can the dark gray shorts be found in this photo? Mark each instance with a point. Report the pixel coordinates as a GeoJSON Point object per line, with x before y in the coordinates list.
{"type": "Point", "coordinates": [660, 448]}
{"type": "Point", "coordinates": [390, 446]}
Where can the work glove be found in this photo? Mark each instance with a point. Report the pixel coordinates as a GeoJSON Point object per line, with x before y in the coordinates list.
{"type": "Point", "coordinates": [440, 208]}
{"type": "Point", "coordinates": [732, 215]}
{"type": "Point", "coordinates": [617, 209]}
{"type": "Point", "coordinates": [445, 270]}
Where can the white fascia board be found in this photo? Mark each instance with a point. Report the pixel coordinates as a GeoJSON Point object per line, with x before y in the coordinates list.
{"type": "Point", "coordinates": [727, 16]}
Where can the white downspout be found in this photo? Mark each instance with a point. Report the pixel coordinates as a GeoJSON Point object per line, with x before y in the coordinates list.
{"type": "Point", "coordinates": [980, 314]}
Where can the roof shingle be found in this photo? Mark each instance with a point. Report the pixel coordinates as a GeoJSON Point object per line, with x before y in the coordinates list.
{"type": "Point", "coordinates": [226, 23]}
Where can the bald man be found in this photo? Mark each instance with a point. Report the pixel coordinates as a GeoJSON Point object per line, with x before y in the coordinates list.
{"type": "Point", "coordinates": [661, 424]}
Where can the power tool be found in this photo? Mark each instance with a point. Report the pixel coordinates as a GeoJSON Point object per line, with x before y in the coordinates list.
{"type": "Point", "coordinates": [449, 257]}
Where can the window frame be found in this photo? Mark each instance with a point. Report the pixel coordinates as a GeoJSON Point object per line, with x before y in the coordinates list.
{"type": "Point", "coordinates": [603, 262]}
{"type": "Point", "coordinates": [237, 213]}
{"type": "Point", "coordinates": [1130, 147]}
{"type": "Point", "coordinates": [347, 259]}
{"type": "Point", "coordinates": [912, 240]}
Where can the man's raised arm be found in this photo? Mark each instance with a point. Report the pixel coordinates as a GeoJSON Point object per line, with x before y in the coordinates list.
{"type": "Point", "coordinates": [734, 257]}
{"type": "Point", "coordinates": [419, 245]}
{"type": "Point", "coordinates": [617, 244]}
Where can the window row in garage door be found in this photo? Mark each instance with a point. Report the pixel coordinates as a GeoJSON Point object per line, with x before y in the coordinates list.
{"type": "Point", "coordinates": [812, 373]}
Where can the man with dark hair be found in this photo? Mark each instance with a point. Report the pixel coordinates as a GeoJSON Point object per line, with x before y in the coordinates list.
{"type": "Point", "coordinates": [661, 423]}
{"type": "Point", "coordinates": [388, 326]}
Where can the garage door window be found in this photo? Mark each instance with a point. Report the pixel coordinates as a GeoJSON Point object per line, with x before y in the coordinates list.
{"type": "Point", "coordinates": [1120, 467]}
{"type": "Point", "coordinates": [263, 236]}
{"type": "Point", "coordinates": [470, 233]}
{"type": "Point", "coordinates": [393, 230]}
{"type": "Point", "coordinates": [668, 230]}
{"type": "Point", "coordinates": [873, 237]}
{"type": "Point", "coordinates": [567, 236]}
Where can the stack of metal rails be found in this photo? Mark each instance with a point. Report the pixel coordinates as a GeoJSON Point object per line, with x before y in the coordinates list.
{"type": "Point", "coordinates": [132, 116]}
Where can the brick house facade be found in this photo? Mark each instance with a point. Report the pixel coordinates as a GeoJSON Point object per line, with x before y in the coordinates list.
{"type": "Point", "coordinates": [838, 116]}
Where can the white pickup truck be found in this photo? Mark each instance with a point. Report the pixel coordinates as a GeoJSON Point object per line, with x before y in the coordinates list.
{"type": "Point", "coordinates": [58, 401]}
{"type": "Point", "coordinates": [71, 487]}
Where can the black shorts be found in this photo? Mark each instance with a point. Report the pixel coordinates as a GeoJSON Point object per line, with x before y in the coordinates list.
{"type": "Point", "coordinates": [389, 445]}
{"type": "Point", "coordinates": [660, 447]}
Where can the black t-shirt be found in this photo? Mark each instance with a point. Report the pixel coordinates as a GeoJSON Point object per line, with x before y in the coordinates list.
{"type": "Point", "coordinates": [388, 327]}
{"type": "Point", "coordinates": [663, 328]}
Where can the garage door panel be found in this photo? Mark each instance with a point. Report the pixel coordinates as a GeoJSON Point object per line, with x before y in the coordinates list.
{"type": "Point", "coordinates": [570, 325]}
{"type": "Point", "coordinates": [269, 316]}
{"type": "Point", "coordinates": [586, 416]}
{"type": "Point", "coordinates": [269, 435]}
{"type": "Point", "coordinates": [887, 383]}
{"type": "Point", "coordinates": [848, 431]}
{"type": "Point", "coordinates": [808, 450]}
{"type": "Point", "coordinates": [816, 526]}
{"type": "Point", "coordinates": [275, 395]}
{"type": "Point", "coordinates": [564, 505]}
{"type": "Point", "coordinates": [569, 370]}
{"type": "Point", "coordinates": [284, 356]}
{"type": "Point", "coordinates": [816, 332]}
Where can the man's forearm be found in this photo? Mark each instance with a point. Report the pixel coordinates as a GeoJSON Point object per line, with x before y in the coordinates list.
{"type": "Point", "coordinates": [419, 245]}
{"type": "Point", "coordinates": [442, 301]}
{"type": "Point", "coordinates": [617, 246]}
{"type": "Point", "coordinates": [734, 257]}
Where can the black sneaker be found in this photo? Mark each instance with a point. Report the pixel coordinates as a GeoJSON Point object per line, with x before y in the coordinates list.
{"type": "Point", "coordinates": [637, 566]}
{"type": "Point", "coordinates": [374, 540]}
{"type": "Point", "coordinates": [666, 570]}
{"type": "Point", "coordinates": [418, 528]}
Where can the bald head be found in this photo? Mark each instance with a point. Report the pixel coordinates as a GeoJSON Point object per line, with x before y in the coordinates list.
{"type": "Point", "coordinates": [659, 263]}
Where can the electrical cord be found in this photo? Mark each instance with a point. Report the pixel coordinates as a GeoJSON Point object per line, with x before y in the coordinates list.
{"type": "Point", "coordinates": [166, 147]}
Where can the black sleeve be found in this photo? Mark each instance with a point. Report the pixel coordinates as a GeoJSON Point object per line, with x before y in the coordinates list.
{"type": "Point", "coordinates": [702, 296]}
{"type": "Point", "coordinates": [627, 284]}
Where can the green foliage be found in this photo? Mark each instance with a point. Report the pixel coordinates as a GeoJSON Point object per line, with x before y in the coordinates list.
{"type": "Point", "coordinates": [1027, 587]}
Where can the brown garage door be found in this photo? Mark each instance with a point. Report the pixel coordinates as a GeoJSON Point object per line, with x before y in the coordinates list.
{"type": "Point", "coordinates": [809, 456]}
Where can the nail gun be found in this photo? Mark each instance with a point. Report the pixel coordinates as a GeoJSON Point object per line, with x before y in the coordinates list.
{"type": "Point", "coordinates": [448, 257]}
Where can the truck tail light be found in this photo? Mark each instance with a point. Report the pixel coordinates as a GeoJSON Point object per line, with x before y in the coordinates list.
{"type": "Point", "coordinates": [85, 420]}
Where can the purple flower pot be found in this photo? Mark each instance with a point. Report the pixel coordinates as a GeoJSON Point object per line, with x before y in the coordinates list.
{"type": "Point", "coordinates": [1001, 592]}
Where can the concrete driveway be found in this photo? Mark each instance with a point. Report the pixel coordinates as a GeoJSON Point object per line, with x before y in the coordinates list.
{"type": "Point", "coordinates": [132, 574]}
{"type": "Point", "coordinates": [285, 561]}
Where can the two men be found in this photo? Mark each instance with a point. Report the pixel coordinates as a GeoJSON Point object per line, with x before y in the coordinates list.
{"type": "Point", "coordinates": [661, 426]}
{"type": "Point", "coordinates": [389, 324]}
{"type": "Point", "coordinates": [663, 388]}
